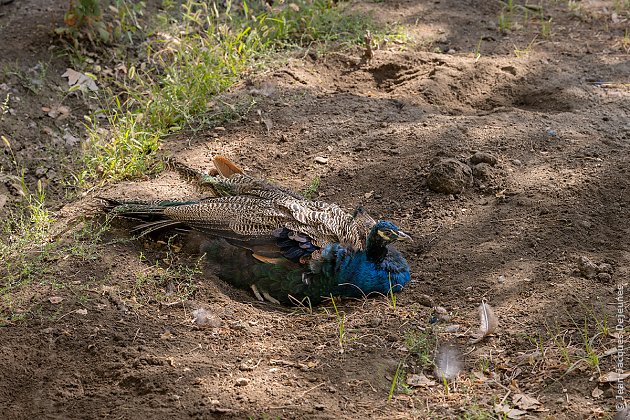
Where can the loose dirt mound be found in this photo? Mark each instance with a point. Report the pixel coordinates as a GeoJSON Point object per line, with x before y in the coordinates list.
{"type": "Point", "coordinates": [555, 187]}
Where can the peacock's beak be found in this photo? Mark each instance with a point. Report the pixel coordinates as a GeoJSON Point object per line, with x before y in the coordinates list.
{"type": "Point", "coordinates": [402, 236]}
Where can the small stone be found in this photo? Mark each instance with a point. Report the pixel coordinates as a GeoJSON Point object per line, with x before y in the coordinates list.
{"type": "Point", "coordinates": [219, 128]}
{"type": "Point", "coordinates": [452, 328]}
{"type": "Point", "coordinates": [245, 367]}
{"type": "Point", "coordinates": [204, 318]}
{"type": "Point", "coordinates": [604, 277]}
{"type": "Point", "coordinates": [587, 267]}
{"type": "Point", "coordinates": [441, 314]}
{"type": "Point", "coordinates": [241, 382]}
{"type": "Point", "coordinates": [320, 407]}
{"type": "Point", "coordinates": [585, 224]}
{"type": "Point", "coordinates": [483, 157]}
{"type": "Point", "coordinates": [375, 322]}
{"type": "Point", "coordinates": [501, 279]}
{"type": "Point", "coordinates": [426, 300]}
{"type": "Point", "coordinates": [70, 140]}
{"type": "Point", "coordinates": [321, 160]}
{"type": "Point", "coordinates": [517, 162]}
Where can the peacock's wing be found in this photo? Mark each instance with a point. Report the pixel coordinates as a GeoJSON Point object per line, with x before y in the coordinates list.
{"type": "Point", "coordinates": [282, 280]}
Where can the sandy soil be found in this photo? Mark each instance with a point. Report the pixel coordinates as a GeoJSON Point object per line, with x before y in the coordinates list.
{"type": "Point", "coordinates": [554, 186]}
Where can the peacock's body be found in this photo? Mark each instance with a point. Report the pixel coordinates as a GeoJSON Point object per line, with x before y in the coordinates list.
{"type": "Point", "coordinates": [286, 248]}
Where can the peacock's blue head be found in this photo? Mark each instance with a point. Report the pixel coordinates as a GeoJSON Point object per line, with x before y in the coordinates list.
{"type": "Point", "coordinates": [386, 232]}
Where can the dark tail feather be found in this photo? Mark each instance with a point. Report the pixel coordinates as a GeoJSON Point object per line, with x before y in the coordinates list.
{"type": "Point", "coordinates": [146, 228]}
{"type": "Point", "coordinates": [150, 212]}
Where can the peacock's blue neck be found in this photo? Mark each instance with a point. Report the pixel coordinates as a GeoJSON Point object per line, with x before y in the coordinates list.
{"type": "Point", "coordinates": [375, 247]}
{"type": "Point", "coordinates": [377, 269]}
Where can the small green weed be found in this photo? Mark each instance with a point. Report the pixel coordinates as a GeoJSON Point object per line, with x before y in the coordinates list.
{"type": "Point", "coordinates": [476, 412]}
{"type": "Point", "coordinates": [310, 191]}
{"type": "Point", "coordinates": [392, 296]}
{"type": "Point", "coordinates": [520, 53]}
{"type": "Point", "coordinates": [84, 18]}
{"type": "Point", "coordinates": [545, 28]}
{"type": "Point", "coordinates": [341, 324]}
{"type": "Point", "coordinates": [399, 382]}
{"type": "Point", "coordinates": [421, 344]}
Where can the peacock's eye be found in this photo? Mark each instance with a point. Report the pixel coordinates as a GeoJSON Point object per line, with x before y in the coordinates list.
{"type": "Point", "coordinates": [385, 234]}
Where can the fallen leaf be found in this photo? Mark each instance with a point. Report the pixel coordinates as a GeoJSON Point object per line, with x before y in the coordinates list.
{"type": "Point", "coordinates": [57, 111]}
{"type": "Point", "coordinates": [597, 393]}
{"type": "Point", "coordinates": [83, 81]}
{"type": "Point", "coordinates": [419, 380]}
{"type": "Point", "coordinates": [511, 413]}
{"type": "Point", "coordinates": [525, 402]}
{"type": "Point", "coordinates": [480, 376]}
{"type": "Point", "coordinates": [613, 377]}
{"type": "Point", "coordinates": [81, 311]}
{"type": "Point", "coordinates": [268, 124]}
{"type": "Point", "coordinates": [488, 322]}
{"type": "Point", "coordinates": [55, 299]}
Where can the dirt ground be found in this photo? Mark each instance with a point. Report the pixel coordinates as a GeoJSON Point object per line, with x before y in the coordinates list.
{"type": "Point", "coordinates": [554, 110]}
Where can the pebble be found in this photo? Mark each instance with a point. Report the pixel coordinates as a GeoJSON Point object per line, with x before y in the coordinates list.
{"type": "Point", "coordinates": [501, 279]}
{"type": "Point", "coordinates": [426, 300]}
{"type": "Point", "coordinates": [604, 277]}
{"type": "Point", "coordinates": [453, 328]}
{"type": "Point", "coordinates": [204, 318]}
{"type": "Point", "coordinates": [483, 157]}
{"type": "Point", "coordinates": [241, 382]}
{"type": "Point", "coordinates": [245, 367]}
{"type": "Point", "coordinates": [321, 160]}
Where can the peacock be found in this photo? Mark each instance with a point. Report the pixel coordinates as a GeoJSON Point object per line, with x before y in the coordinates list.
{"type": "Point", "coordinates": [286, 248]}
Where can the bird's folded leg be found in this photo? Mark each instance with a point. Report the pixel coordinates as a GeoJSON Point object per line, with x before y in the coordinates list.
{"type": "Point", "coordinates": [305, 279]}
{"type": "Point", "coordinates": [257, 293]}
{"type": "Point", "coordinates": [271, 298]}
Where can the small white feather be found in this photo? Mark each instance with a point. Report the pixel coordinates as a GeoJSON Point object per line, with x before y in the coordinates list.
{"type": "Point", "coordinates": [488, 322]}
{"type": "Point", "coordinates": [447, 363]}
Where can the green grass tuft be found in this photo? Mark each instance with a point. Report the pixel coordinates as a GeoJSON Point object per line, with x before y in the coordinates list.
{"type": "Point", "coordinates": [194, 54]}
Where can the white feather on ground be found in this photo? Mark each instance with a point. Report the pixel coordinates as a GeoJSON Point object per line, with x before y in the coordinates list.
{"type": "Point", "coordinates": [447, 363]}
{"type": "Point", "coordinates": [488, 322]}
